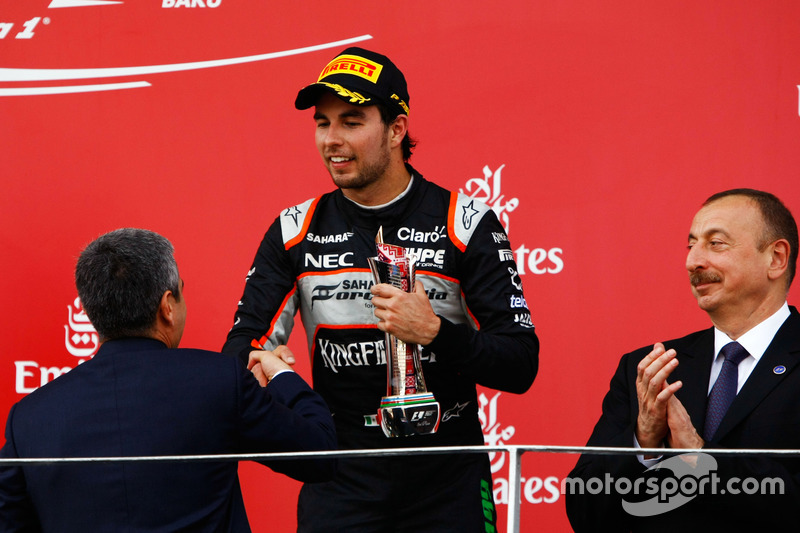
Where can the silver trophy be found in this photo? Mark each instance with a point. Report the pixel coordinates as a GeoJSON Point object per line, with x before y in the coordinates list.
{"type": "Point", "coordinates": [408, 408]}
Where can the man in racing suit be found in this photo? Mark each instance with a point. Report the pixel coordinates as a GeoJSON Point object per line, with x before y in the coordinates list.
{"type": "Point", "coordinates": [468, 312]}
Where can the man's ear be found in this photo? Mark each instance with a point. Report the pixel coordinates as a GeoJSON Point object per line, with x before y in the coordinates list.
{"type": "Point", "coordinates": [166, 308]}
{"type": "Point", "coordinates": [398, 129]}
{"type": "Point", "coordinates": [779, 259]}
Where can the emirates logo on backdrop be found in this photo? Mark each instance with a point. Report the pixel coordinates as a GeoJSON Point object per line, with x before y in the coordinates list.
{"type": "Point", "coordinates": [80, 340]}
{"type": "Point", "coordinates": [80, 337]}
{"type": "Point", "coordinates": [489, 191]}
{"type": "Point", "coordinates": [494, 434]}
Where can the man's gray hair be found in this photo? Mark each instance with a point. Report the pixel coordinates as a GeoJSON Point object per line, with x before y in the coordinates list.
{"type": "Point", "coordinates": [121, 277]}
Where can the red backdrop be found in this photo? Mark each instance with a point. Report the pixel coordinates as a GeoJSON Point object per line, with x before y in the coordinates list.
{"type": "Point", "coordinates": [595, 130]}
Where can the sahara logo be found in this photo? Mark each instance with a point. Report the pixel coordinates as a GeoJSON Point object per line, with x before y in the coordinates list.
{"type": "Point", "coordinates": [488, 191]}
{"type": "Point", "coordinates": [80, 339]}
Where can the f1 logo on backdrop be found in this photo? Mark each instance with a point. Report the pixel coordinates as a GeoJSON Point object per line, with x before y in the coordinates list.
{"type": "Point", "coordinates": [27, 29]}
{"type": "Point", "coordinates": [40, 81]}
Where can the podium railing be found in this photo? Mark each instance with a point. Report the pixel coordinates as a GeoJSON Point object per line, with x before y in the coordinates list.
{"type": "Point", "coordinates": [514, 464]}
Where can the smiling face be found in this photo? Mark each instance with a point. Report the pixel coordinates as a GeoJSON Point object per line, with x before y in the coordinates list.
{"type": "Point", "coordinates": [354, 143]}
{"type": "Point", "coordinates": [731, 277]}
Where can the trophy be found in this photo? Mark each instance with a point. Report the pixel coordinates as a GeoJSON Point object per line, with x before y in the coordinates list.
{"type": "Point", "coordinates": [408, 408]}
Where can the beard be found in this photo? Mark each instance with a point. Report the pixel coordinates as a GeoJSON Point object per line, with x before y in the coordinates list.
{"type": "Point", "coordinates": [371, 172]}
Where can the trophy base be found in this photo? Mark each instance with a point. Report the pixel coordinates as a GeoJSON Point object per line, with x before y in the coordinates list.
{"type": "Point", "coordinates": [405, 416]}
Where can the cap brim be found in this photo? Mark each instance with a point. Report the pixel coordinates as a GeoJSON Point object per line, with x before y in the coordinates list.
{"type": "Point", "coordinates": [308, 96]}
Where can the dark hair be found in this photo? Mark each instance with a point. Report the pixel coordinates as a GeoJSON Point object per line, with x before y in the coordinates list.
{"type": "Point", "coordinates": [121, 277]}
{"type": "Point", "coordinates": [387, 117]}
{"type": "Point", "coordinates": [778, 222]}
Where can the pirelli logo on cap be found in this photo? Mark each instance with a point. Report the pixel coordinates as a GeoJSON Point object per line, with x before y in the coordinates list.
{"type": "Point", "coordinates": [355, 65]}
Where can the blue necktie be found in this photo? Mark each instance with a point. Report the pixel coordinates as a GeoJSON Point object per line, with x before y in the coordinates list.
{"type": "Point", "coordinates": [724, 390]}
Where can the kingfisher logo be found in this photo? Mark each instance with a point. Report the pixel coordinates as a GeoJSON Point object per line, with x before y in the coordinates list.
{"type": "Point", "coordinates": [355, 65]}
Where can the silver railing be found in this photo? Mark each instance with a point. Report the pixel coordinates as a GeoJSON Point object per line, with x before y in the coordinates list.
{"type": "Point", "coordinates": [514, 464]}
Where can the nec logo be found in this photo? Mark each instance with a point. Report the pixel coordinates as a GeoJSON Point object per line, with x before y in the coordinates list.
{"type": "Point", "coordinates": [329, 260]}
{"type": "Point", "coordinates": [190, 3]}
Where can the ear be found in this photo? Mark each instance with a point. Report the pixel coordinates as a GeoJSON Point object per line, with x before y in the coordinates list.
{"type": "Point", "coordinates": [779, 259]}
{"type": "Point", "coordinates": [166, 309]}
{"type": "Point", "coordinates": [398, 130]}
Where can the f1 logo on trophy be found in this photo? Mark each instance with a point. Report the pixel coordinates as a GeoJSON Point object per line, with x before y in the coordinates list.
{"type": "Point", "coordinates": [408, 408]}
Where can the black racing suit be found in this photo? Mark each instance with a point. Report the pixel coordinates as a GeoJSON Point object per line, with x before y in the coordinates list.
{"type": "Point", "coordinates": [313, 258]}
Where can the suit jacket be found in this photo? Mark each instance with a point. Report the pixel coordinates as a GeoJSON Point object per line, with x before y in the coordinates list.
{"type": "Point", "coordinates": [136, 397]}
{"type": "Point", "coordinates": [764, 414]}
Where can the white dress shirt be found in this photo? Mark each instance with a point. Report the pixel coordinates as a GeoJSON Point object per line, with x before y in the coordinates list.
{"type": "Point", "coordinates": [756, 341]}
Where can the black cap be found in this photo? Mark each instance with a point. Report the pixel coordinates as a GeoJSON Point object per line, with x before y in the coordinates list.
{"type": "Point", "coordinates": [359, 77]}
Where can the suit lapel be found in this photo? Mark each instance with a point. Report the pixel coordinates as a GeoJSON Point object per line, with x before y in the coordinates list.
{"type": "Point", "coordinates": [694, 370]}
{"type": "Point", "coordinates": [784, 350]}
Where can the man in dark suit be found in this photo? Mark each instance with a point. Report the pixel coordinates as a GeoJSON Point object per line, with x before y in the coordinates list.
{"type": "Point", "coordinates": [142, 396]}
{"type": "Point", "coordinates": [689, 393]}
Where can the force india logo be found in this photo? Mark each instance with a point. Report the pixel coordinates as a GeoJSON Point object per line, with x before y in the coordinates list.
{"type": "Point", "coordinates": [357, 289]}
{"type": "Point", "coordinates": [488, 191]}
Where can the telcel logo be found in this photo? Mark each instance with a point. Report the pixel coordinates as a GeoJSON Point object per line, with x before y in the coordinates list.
{"type": "Point", "coordinates": [27, 28]}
